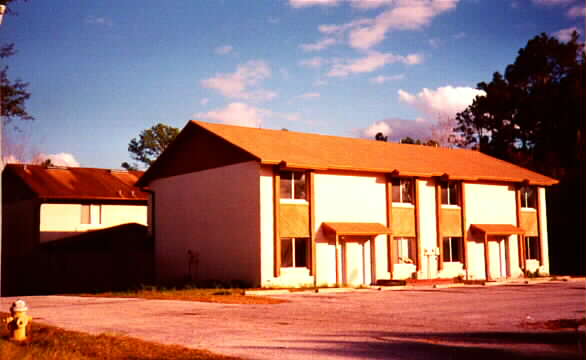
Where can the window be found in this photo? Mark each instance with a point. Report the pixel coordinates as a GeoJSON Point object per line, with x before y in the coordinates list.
{"type": "Point", "coordinates": [403, 191]}
{"type": "Point", "coordinates": [452, 248]}
{"type": "Point", "coordinates": [294, 252]}
{"type": "Point", "coordinates": [91, 214]}
{"type": "Point", "coordinates": [404, 250]}
{"type": "Point", "coordinates": [532, 248]}
{"type": "Point", "coordinates": [450, 193]}
{"type": "Point", "coordinates": [293, 185]}
{"type": "Point", "coordinates": [529, 197]}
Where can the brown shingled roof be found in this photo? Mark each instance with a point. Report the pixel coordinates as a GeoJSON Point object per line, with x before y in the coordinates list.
{"type": "Point", "coordinates": [79, 183]}
{"type": "Point", "coordinates": [313, 151]}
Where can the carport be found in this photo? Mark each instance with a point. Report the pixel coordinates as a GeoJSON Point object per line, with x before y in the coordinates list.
{"type": "Point", "coordinates": [494, 230]}
{"type": "Point", "coordinates": [361, 232]}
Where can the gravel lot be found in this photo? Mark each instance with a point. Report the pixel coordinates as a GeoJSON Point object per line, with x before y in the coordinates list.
{"type": "Point", "coordinates": [504, 322]}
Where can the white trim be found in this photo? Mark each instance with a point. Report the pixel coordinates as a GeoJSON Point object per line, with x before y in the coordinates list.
{"type": "Point", "coordinates": [404, 205]}
{"type": "Point", "coordinates": [446, 206]}
{"type": "Point", "coordinates": [294, 201]}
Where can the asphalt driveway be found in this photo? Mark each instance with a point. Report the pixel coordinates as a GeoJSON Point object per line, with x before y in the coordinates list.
{"type": "Point", "coordinates": [504, 322]}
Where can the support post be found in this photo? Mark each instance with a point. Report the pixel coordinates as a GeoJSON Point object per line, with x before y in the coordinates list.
{"type": "Point", "coordinates": [389, 195]}
{"type": "Point", "coordinates": [464, 228]}
{"type": "Point", "coordinates": [338, 283]}
{"type": "Point", "coordinates": [438, 227]}
{"type": "Point", "coordinates": [539, 230]}
{"type": "Point", "coordinates": [417, 223]}
{"type": "Point", "coordinates": [276, 235]}
{"type": "Point", "coordinates": [373, 259]}
{"type": "Point", "coordinates": [312, 226]}
{"type": "Point", "coordinates": [522, 262]}
{"type": "Point", "coordinates": [486, 258]}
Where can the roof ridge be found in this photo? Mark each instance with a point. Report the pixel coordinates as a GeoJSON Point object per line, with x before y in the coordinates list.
{"type": "Point", "coordinates": [361, 139]}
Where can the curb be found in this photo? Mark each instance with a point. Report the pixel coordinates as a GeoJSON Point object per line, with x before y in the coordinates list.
{"type": "Point", "coordinates": [513, 282]}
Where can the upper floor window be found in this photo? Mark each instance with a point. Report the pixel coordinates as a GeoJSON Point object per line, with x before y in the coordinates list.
{"type": "Point", "coordinates": [293, 185]}
{"type": "Point", "coordinates": [450, 193]}
{"type": "Point", "coordinates": [403, 191]}
{"type": "Point", "coordinates": [91, 214]}
{"type": "Point", "coordinates": [529, 197]}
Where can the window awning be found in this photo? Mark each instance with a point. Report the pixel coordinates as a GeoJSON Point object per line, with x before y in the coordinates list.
{"type": "Point", "coordinates": [497, 229]}
{"type": "Point", "coordinates": [355, 228]}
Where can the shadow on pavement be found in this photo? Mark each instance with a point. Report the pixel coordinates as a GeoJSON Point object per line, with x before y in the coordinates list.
{"type": "Point", "coordinates": [477, 346]}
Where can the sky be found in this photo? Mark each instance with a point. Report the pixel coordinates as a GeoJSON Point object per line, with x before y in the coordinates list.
{"type": "Point", "coordinates": [102, 71]}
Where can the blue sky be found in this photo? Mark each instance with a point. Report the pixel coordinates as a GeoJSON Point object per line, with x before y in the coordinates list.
{"type": "Point", "coordinates": [102, 71]}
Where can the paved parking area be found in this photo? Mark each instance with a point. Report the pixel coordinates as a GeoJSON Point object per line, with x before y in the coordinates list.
{"type": "Point", "coordinates": [503, 322]}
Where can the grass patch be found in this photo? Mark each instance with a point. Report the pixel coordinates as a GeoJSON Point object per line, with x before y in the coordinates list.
{"type": "Point", "coordinates": [48, 342]}
{"type": "Point", "coordinates": [224, 296]}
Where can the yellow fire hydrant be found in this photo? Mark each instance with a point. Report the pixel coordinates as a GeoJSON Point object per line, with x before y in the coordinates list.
{"type": "Point", "coordinates": [18, 321]}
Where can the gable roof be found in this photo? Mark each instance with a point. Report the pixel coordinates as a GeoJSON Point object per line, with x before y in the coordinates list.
{"type": "Point", "coordinates": [323, 152]}
{"type": "Point", "coordinates": [69, 183]}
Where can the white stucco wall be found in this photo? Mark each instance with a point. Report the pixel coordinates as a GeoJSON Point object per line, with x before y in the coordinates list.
{"type": "Point", "coordinates": [214, 214]}
{"type": "Point", "coordinates": [491, 204]}
{"type": "Point", "coordinates": [62, 220]}
{"type": "Point", "coordinates": [427, 230]}
{"type": "Point", "coordinates": [289, 277]}
{"type": "Point", "coordinates": [349, 197]}
{"type": "Point", "coordinates": [544, 269]}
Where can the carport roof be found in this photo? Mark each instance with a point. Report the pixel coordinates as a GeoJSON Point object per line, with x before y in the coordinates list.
{"type": "Point", "coordinates": [355, 228]}
{"type": "Point", "coordinates": [498, 229]}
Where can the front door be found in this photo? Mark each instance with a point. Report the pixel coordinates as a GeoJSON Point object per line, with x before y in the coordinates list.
{"type": "Point", "coordinates": [356, 260]}
{"type": "Point", "coordinates": [499, 259]}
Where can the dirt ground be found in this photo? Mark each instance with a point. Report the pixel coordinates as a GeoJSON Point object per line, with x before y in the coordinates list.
{"type": "Point", "coordinates": [537, 321]}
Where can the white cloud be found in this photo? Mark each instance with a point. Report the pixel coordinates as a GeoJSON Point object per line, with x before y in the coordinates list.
{"type": "Point", "coordinates": [401, 15]}
{"type": "Point", "coordinates": [223, 50]}
{"type": "Point", "coordinates": [236, 114]}
{"type": "Point", "coordinates": [239, 83]}
{"type": "Point", "coordinates": [397, 129]}
{"type": "Point", "coordinates": [444, 101]}
{"type": "Point", "coordinates": [340, 29]}
{"type": "Point", "coordinates": [60, 159]}
{"type": "Point", "coordinates": [460, 35]}
{"type": "Point", "coordinates": [204, 101]}
{"type": "Point", "coordinates": [9, 159]}
{"type": "Point", "coordinates": [369, 4]}
{"type": "Point", "coordinates": [565, 35]}
{"type": "Point", "coordinates": [242, 114]}
{"type": "Point", "coordinates": [319, 45]}
{"type": "Point", "coordinates": [552, 2]}
{"type": "Point", "coordinates": [383, 79]}
{"type": "Point", "coordinates": [284, 73]}
{"type": "Point", "coordinates": [309, 95]}
{"type": "Point", "coordinates": [434, 43]}
{"type": "Point", "coordinates": [314, 62]}
{"type": "Point", "coordinates": [577, 11]}
{"type": "Point", "coordinates": [378, 127]}
{"type": "Point", "coordinates": [98, 20]}
{"type": "Point", "coordinates": [306, 3]}
{"type": "Point", "coordinates": [371, 62]}
{"type": "Point", "coordinates": [320, 82]}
